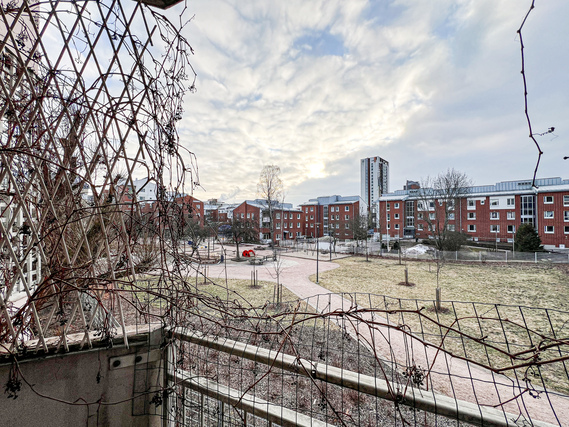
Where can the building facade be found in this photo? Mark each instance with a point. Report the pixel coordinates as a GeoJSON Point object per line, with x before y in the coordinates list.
{"type": "Point", "coordinates": [286, 219]}
{"type": "Point", "coordinates": [332, 216]}
{"type": "Point", "coordinates": [374, 179]}
{"type": "Point", "coordinates": [490, 213]}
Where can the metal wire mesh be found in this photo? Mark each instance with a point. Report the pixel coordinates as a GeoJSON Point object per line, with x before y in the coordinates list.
{"type": "Point", "coordinates": [90, 93]}
{"type": "Point", "coordinates": [489, 354]}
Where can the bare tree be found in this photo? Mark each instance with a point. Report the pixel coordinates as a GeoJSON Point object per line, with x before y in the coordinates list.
{"type": "Point", "coordinates": [270, 188]}
{"type": "Point", "coordinates": [242, 231]}
{"type": "Point", "coordinates": [197, 234]}
{"type": "Point", "coordinates": [438, 198]}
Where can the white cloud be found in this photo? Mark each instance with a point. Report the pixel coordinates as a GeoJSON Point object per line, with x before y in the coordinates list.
{"type": "Point", "coordinates": [426, 85]}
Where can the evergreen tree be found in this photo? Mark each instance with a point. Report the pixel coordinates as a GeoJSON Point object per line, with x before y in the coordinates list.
{"type": "Point", "coordinates": [527, 239]}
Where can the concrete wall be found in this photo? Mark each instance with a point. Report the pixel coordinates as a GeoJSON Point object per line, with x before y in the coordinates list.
{"type": "Point", "coordinates": [72, 390]}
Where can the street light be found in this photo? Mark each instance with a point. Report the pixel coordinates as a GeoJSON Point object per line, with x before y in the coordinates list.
{"type": "Point", "coordinates": [317, 224]}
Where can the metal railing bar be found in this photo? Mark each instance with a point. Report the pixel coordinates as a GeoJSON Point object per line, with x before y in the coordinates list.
{"type": "Point", "coordinates": [401, 393]}
{"type": "Point", "coordinates": [247, 402]}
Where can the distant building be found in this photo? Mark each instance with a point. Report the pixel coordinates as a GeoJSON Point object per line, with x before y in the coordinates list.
{"type": "Point", "coordinates": [286, 219]}
{"type": "Point", "coordinates": [331, 215]}
{"type": "Point", "coordinates": [218, 212]}
{"type": "Point", "coordinates": [486, 213]}
{"type": "Point", "coordinates": [374, 179]}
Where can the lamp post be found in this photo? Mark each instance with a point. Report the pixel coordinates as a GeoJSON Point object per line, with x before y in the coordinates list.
{"type": "Point", "coordinates": [317, 224]}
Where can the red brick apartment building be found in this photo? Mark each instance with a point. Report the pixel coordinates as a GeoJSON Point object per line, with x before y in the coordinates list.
{"type": "Point", "coordinates": [486, 213]}
{"type": "Point", "coordinates": [331, 215]}
{"type": "Point", "coordinates": [287, 220]}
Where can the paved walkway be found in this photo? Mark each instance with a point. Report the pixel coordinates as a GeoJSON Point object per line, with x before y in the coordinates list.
{"type": "Point", "coordinates": [450, 376]}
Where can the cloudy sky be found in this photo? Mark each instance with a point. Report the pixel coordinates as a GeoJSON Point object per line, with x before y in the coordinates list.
{"type": "Point", "coordinates": [316, 85]}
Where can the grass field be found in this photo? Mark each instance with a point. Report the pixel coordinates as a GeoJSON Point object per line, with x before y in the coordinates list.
{"type": "Point", "coordinates": [516, 284]}
{"type": "Point", "coordinates": [500, 306]}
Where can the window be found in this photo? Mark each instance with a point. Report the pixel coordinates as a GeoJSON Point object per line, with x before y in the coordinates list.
{"type": "Point", "coordinates": [387, 207]}
{"type": "Point", "coordinates": [397, 226]}
{"type": "Point", "coordinates": [338, 217]}
{"type": "Point", "coordinates": [285, 216]}
{"type": "Point", "coordinates": [242, 215]}
{"type": "Point", "coordinates": [565, 200]}
{"type": "Point", "coordinates": [450, 227]}
{"type": "Point", "coordinates": [337, 226]}
{"type": "Point", "coordinates": [248, 215]}
{"type": "Point", "coordinates": [451, 216]}
{"type": "Point", "coordinates": [311, 216]}
{"type": "Point", "coordinates": [494, 202]}
{"type": "Point", "coordinates": [511, 202]}
{"type": "Point", "coordinates": [548, 200]}
{"type": "Point", "coordinates": [419, 216]}
{"type": "Point", "coordinates": [567, 229]}
{"type": "Point", "coordinates": [471, 215]}
{"type": "Point", "coordinates": [306, 210]}
{"type": "Point", "coordinates": [347, 209]}
{"type": "Point", "coordinates": [431, 206]}
{"type": "Point", "coordinates": [548, 214]}
{"type": "Point", "coordinates": [396, 206]}
{"type": "Point", "coordinates": [252, 216]}
{"type": "Point", "coordinates": [389, 217]}
{"type": "Point", "coordinates": [482, 202]}
{"type": "Point", "coordinates": [278, 236]}
{"type": "Point", "coordinates": [278, 225]}
{"type": "Point", "coordinates": [431, 216]}
{"type": "Point", "coordinates": [494, 229]}
{"type": "Point", "coordinates": [471, 204]}
{"type": "Point", "coordinates": [420, 227]}
{"type": "Point", "coordinates": [511, 215]}
{"type": "Point", "coordinates": [347, 226]}
{"type": "Point", "coordinates": [311, 225]}
{"type": "Point", "coordinates": [298, 225]}
{"type": "Point", "coordinates": [471, 227]}
{"type": "Point", "coordinates": [396, 216]}
{"type": "Point", "coordinates": [420, 206]}
{"type": "Point", "coordinates": [286, 225]}
{"type": "Point", "coordinates": [197, 206]}
{"type": "Point", "coordinates": [298, 217]}
{"type": "Point", "coordinates": [494, 215]}
{"type": "Point", "coordinates": [347, 217]}
{"type": "Point", "coordinates": [549, 229]}
{"type": "Point", "coordinates": [290, 225]}
{"type": "Point", "coordinates": [566, 216]}
{"type": "Point", "coordinates": [440, 202]}
{"type": "Point", "coordinates": [388, 226]}
{"type": "Point", "coordinates": [511, 228]}
{"type": "Point", "coordinates": [311, 208]}
{"type": "Point", "coordinates": [278, 215]}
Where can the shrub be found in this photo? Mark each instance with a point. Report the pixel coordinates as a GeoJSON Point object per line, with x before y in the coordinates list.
{"type": "Point", "coordinates": [454, 240]}
{"type": "Point", "coordinates": [396, 246]}
{"type": "Point", "coordinates": [527, 239]}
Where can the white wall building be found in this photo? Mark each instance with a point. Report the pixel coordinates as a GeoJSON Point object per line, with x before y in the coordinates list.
{"type": "Point", "coordinates": [374, 179]}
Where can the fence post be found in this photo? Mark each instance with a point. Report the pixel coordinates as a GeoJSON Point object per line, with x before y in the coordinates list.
{"type": "Point", "coordinates": [220, 413]}
{"type": "Point", "coordinates": [456, 255]}
{"type": "Point", "coordinates": [535, 253]}
{"type": "Point", "coordinates": [506, 256]}
{"type": "Point", "coordinates": [480, 256]}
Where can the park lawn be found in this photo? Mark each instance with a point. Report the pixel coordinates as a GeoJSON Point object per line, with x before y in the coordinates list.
{"type": "Point", "coordinates": [516, 284]}
{"type": "Point", "coordinates": [500, 302]}
{"type": "Point", "coordinates": [244, 293]}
